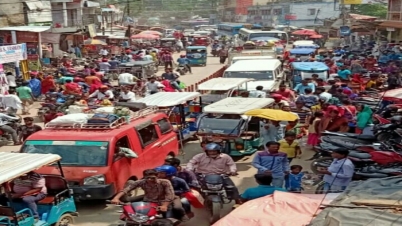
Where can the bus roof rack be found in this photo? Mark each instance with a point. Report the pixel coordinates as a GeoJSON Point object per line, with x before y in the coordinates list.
{"type": "Point", "coordinates": [124, 120]}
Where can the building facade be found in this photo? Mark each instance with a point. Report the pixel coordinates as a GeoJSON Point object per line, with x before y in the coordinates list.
{"type": "Point", "coordinates": [393, 24]}
{"type": "Point", "coordinates": [300, 14]}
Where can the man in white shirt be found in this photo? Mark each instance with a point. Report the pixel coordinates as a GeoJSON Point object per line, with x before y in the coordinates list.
{"type": "Point", "coordinates": [103, 52]}
{"type": "Point", "coordinates": [153, 86]}
{"type": "Point", "coordinates": [258, 93]}
{"type": "Point", "coordinates": [102, 93]}
{"type": "Point", "coordinates": [11, 80]}
{"type": "Point", "coordinates": [147, 57]}
{"type": "Point", "coordinates": [126, 79]}
{"type": "Point", "coordinates": [11, 102]}
{"type": "Point", "coordinates": [126, 95]}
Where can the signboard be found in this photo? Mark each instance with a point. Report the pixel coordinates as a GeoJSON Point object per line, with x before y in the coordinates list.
{"type": "Point", "coordinates": [32, 51]}
{"type": "Point", "coordinates": [24, 36]}
{"type": "Point", "coordinates": [359, 2]}
{"type": "Point", "coordinates": [344, 30]}
{"type": "Point", "coordinates": [290, 17]}
{"type": "Point", "coordinates": [13, 53]}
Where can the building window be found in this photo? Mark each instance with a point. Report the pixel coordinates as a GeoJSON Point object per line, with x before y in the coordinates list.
{"type": "Point", "coordinates": [277, 12]}
{"type": "Point", "coordinates": [311, 12]}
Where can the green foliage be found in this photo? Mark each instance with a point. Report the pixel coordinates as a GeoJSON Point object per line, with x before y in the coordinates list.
{"type": "Point", "coordinates": [377, 10]}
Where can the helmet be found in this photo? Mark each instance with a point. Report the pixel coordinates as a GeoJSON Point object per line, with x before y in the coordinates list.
{"type": "Point", "coordinates": [397, 119]}
{"type": "Point", "coordinates": [182, 56]}
{"type": "Point", "coordinates": [213, 147]}
{"type": "Point", "coordinates": [169, 170]}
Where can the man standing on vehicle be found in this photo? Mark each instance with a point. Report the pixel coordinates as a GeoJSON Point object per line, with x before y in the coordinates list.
{"type": "Point", "coordinates": [156, 190]}
{"type": "Point", "coordinates": [212, 161]}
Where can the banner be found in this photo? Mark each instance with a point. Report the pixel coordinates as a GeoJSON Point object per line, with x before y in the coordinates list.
{"type": "Point", "coordinates": [360, 2]}
{"type": "Point", "coordinates": [13, 53]}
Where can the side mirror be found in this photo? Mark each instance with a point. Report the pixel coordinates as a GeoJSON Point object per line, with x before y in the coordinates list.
{"type": "Point", "coordinates": [127, 152]}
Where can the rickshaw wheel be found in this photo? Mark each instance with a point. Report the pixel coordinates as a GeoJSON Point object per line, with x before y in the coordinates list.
{"type": "Point", "coordinates": [65, 220]}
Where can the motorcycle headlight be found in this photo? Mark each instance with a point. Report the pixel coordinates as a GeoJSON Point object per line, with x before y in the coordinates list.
{"type": "Point", "coordinates": [214, 187]}
{"type": "Point", "coordinates": [95, 180]}
{"type": "Point", "coordinates": [139, 218]}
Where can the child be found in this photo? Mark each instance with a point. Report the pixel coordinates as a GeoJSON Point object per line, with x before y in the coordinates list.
{"type": "Point", "coordinates": [294, 179]}
{"type": "Point", "coordinates": [290, 146]}
{"type": "Point", "coordinates": [313, 136]}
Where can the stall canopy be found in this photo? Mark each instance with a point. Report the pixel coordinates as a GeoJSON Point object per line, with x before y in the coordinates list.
{"type": "Point", "coordinates": [37, 29]}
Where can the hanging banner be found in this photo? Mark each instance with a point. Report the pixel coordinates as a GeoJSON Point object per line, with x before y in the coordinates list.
{"type": "Point", "coordinates": [13, 53]}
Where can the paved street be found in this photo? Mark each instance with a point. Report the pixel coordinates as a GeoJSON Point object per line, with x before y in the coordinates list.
{"type": "Point", "coordinates": [99, 214]}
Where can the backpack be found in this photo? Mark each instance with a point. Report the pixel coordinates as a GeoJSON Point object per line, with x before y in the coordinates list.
{"type": "Point", "coordinates": [103, 118]}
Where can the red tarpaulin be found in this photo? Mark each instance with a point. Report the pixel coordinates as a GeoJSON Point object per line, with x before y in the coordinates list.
{"type": "Point", "coordinates": [304, 32]}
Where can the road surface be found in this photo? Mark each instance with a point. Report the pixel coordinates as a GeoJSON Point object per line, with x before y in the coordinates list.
{"type": "Point", "coordinates": [100, 214]}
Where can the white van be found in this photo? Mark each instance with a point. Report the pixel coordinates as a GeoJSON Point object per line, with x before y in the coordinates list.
{"type": "Point", "coordinates": [266, 73]}
{"type": "Point", "coordinates": [241, 58]}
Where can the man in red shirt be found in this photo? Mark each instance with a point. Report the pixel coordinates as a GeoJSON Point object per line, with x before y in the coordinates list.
{"type": "Point", "coordinates": [285, 92]}
{"type": "Point", "coordinates": [72, 88]}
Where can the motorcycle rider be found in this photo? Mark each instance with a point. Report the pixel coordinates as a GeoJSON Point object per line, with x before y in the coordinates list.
{"type": "Point", "coordinates": [181, 206]}
{"type": "Point", "coordinates": [156, 190]}
{"type": "Point", "coordinates": [183, 173]}
{"type": "Point", "coordinates": [183, 60]}
{"type": "Point", "coordinates": [212, 161]}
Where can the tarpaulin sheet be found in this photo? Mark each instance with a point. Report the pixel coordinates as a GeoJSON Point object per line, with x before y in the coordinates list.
{"type": "Point", "coordinates": [279, 209]}
{"type": "Point", "coordinates": [375, 189]}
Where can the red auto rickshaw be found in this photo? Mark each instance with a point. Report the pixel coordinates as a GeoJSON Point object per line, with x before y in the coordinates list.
{"type": "Point", "coordinates": [201, 41]}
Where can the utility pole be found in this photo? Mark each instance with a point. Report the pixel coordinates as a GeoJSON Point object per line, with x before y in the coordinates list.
{"type": "Point", "coordinates": [103, 24]}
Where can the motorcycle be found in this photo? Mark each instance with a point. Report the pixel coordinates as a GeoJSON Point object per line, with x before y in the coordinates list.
{"type": "Point", "coordinates": [214, 194]}
{"type": "Point", "coordinates": [143, 214]}
{"type": "Point", "coordinates": [182, 69]}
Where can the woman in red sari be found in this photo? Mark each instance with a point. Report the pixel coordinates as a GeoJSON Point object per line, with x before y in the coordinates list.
{"type": "Point", "coordinates": [334, 121]}
{"type": "Point", "coordinates": [47, 84]}
{"type": "Point", "coordinates": [95, 86]}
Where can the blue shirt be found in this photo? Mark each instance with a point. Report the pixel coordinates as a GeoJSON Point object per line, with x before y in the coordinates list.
{"type": "Point", "coordinates": [341, 172]}
{"type": "Point", "coordinates": [293, 182]}
{"type": "Point", "coordinates": [300, 88]}
{"type": "Point", "coordinates": [344, 74]}
{"type": "Point", "coordinates": [276, 163]}
{"type": "Point", "coordinates": [182, 61]}
{"type": "Point", "coordinates": [179, 186]}
{"type": "Point", "coordinates": [259, 191]}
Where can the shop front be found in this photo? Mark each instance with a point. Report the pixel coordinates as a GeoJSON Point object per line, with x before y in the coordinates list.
{"type": "Point", "coordinates": [394, 29]}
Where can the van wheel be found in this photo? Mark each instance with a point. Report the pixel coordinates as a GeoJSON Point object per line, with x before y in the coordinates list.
{"type": "Point", "coordinates": [65, 220]}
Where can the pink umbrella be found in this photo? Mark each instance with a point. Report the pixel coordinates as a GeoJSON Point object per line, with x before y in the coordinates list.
{"type": "Point", "coordinates": [151, 33]}
{"type": "Point", "coordinates": [316, 36]}
{"type": "Point", "coordinates": [304, 32]}
{"type": "Point", "coordinates": [144, 36]}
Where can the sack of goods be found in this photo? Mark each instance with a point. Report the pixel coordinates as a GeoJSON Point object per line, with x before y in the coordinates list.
{"type": "Point", "coordinates": [121, 111]}
{"type": "Point", "coordinates": [103, 118]}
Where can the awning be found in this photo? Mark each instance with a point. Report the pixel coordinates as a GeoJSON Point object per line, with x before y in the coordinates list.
{"type": "Point", "coordinates": [26, 28]}
{"type": "Point", "coordinates": [391, 24]}
{"type": "Point", "coordinates": [91, 4]}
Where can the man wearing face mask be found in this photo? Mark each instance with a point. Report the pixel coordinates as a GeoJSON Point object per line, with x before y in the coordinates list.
{"type": "Point", "coordinates": [212, 161]}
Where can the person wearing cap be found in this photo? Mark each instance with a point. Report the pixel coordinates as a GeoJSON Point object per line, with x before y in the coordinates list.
{"type": "Point", "coordinates": [28, 129]}
{"type": "Point", "coordinates": [279, 102]}
{"type": "Point", "coordinates": [339, 174]}
{"type": "Point", "coordinates": [102, 93]}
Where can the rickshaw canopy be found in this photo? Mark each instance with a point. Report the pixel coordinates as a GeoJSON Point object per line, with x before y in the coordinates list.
{"type": "Point", "coordinates": [196, 47]}
{"type": "Point", "coordinates": [223, 84]}
{"type": "Point", "coordinates": [237, 105]}
{"type": "Point", "coordinates": [302, 51]}
{"type": "Point", "coordinates": [168, 99]}
{"type": "Point", "coordinates": [272, 114]}
{"type": "Point", "coordinates": [14, 165]}
{"type": "Point", "coordinates": [309, 66]}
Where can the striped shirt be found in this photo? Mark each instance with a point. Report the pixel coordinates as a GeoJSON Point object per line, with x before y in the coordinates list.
{"type": "Point", "coordinates": [303, 113]}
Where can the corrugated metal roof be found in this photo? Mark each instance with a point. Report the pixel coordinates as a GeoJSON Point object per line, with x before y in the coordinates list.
{"type": "Point", "coordinates": [237, 105]}
{"type": "Point", "coordinates": [13, 165]}
{"type": "Point", "coordinates": [168, 99]}
{"type": "Point", "coordinates": [26, 28]}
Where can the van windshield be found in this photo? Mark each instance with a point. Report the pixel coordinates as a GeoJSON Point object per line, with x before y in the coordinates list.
{"type": "Point", "coordinates": [221, 126]}
{"type": "Point", "coordinates": [74, 153]}
{"type": "Point", "coordinates": [257, 75]}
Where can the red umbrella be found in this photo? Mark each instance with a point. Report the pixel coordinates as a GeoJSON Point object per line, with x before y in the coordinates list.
{"type": "Point", "coordinates": [316, 36]}
{"type": "Point", "coordinates": [304, 32]}
{"type": "Point", "coordinates": [144, 36]}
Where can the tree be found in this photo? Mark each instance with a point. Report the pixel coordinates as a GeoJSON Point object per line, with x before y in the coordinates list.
{"type": "Point", "coordinates": [377, 10]}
